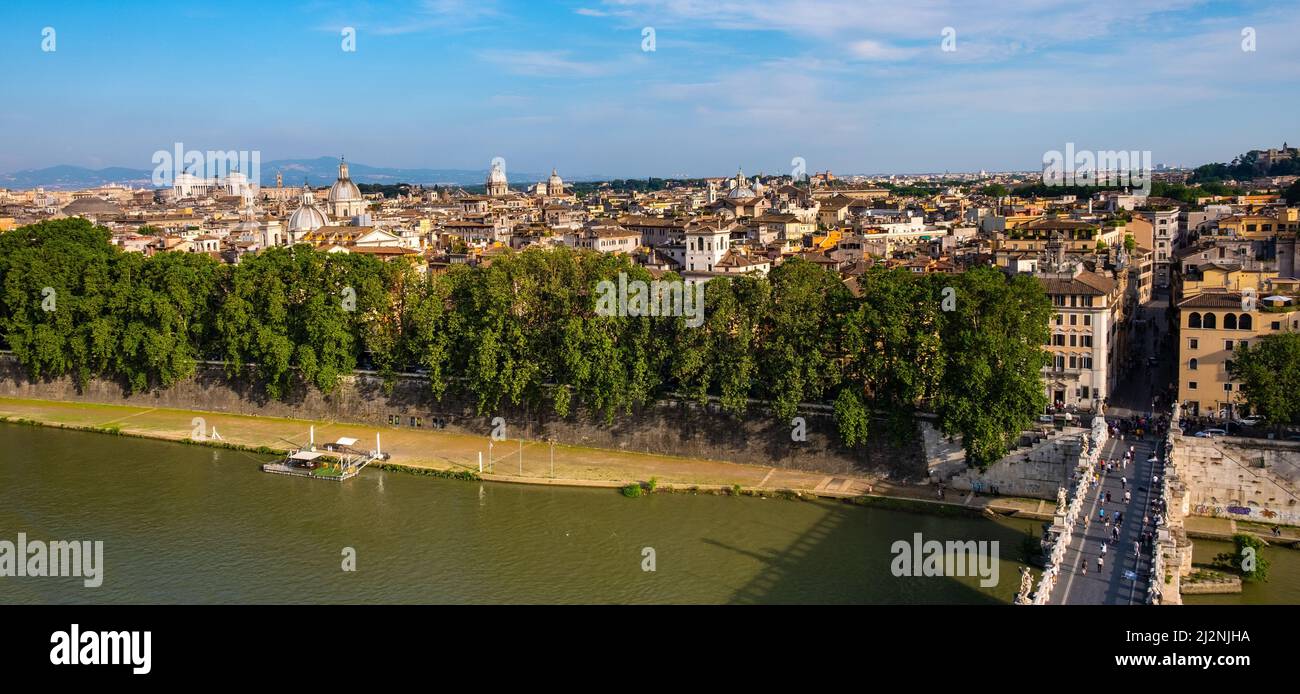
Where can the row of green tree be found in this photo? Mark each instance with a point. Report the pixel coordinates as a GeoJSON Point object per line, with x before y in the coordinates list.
{"type": "Point", "coordinates": [524, 331]}
{"type": "Point", "coordinates": [1292, 193]}
{"type": "Point", "coordinates": [1243, 168]}
{"type": "Point", "coordinates": [1159, 189]}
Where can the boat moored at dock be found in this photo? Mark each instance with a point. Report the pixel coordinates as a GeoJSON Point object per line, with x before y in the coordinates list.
{"type": "Point", "coordinates": [338, 461]}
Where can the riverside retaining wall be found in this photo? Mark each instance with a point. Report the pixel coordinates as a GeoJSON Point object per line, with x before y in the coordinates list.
{"type": "Point", "coordinates": [1035, 469]}
{"type": "Point", "coordinates": [1240, 478]}
{"type": "Point", "coordinates": [666, 427]}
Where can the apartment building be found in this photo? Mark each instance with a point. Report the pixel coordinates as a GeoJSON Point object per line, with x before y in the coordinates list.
{"type": "Point", "coordinates": [1141, 269]}
{"type": "Point", "coordinates": [606, 238]}
{"type": "Point", "coordinates": [1257, 226]}
{"type": "Point", "coordinates": [1211, 325]}
{"type": "Point", "coordinates": [1034, 236]}
{"type": "Point", "coordinates": [1083, 326]}
{"type": "Point", "coordinates": [1164, 239]}
{"type": "Point", "coordinates": [1086, 328]}
{"type": "Point", "coordinates": [1235, 286]}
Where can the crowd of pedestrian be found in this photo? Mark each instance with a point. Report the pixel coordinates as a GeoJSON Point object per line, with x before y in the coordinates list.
{"type": "Point", "coordinates": [1139, 427]}
{"type": "Point", "coordinates": [1113, 519]}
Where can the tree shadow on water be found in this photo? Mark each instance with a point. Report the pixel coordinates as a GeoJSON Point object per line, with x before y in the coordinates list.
{"type": "Point", "coordinates": [839, 560]}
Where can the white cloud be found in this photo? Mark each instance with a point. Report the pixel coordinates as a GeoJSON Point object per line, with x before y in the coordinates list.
{"type": "Point", "coordinates": [544, 63]}
{"type": "Point", "coordinates": [1029, 21]}
{"type": "Point", "coordinates": [411, 18]}
{"type": "Point", "coordinates": [868, 49]}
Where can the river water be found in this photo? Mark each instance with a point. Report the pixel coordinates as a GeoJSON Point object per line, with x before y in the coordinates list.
{"type": "Point", "coordinates": [187, 524]}
{"type": "Point", "coordinates": [1281, 588]}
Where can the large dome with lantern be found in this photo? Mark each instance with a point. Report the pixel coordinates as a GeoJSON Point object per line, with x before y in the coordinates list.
{"type": "Point", "coordinates": [345, 199]}
{"type": "Point", "coordinates": [308, 217]}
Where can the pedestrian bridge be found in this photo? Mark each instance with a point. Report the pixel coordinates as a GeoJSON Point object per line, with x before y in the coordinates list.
{"type": "Point", "coordinates": [1079, 537]}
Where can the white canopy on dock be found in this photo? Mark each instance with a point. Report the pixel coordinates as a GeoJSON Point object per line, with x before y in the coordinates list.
{"type": "Point", "coordinates": [306, 455]}
{"type": "Point", "coordinates": [345, 441]}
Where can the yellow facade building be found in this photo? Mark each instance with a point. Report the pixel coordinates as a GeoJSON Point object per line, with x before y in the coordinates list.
{"type": "Point", "coordinates": [1258, 226]}
{"type": "Point", "coordinates": [1078, 237]}
{"type": "Point", "coordinates": [1211, 325]}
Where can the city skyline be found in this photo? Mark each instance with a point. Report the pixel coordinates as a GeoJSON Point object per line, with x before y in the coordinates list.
{"type": "Point", "coordinates": [319, 171]}
{"type": "Point", "coordinates": [846, 87]}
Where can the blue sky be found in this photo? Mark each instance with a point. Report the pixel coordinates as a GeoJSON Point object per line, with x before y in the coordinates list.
{"type": "Point", "coordinates": [849, 85]}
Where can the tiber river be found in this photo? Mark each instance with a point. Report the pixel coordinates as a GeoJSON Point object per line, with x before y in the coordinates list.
{"type": "Point", "coordinates": [186, 524]}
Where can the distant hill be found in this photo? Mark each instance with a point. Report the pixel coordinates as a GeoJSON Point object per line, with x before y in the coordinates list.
{"type": "Point", "coordinates": [70, 177]}
{"type": "Point", "coordinates": [319, 172]}
{"type": "Point", "coordinates": [1250, 165]}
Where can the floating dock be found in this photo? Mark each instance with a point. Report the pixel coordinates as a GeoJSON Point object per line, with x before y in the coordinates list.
{"type": "Point", "coordinates": [339, 461]}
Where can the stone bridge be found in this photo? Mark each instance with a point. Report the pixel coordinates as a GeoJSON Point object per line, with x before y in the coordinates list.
{"type": "Point", "coordinates": [1083, 529]}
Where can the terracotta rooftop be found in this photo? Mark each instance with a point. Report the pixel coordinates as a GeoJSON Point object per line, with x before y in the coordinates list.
{"type": "Point", "coordinates": [1213, 299]}
{"type": "Point", "coordinates": [1083, 283]}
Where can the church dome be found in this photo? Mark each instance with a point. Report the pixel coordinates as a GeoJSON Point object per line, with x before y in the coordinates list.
{"type": "Point", "coordinates": [554, 184]}
{"type": "Point", "coordinates": [344, 189]}
{"type": "Point", "coordinates": [308, 217]}
{"type": "Point", "coordinates": [91, 206]}
{"type": "Point", "coordinates": [496, 184]}
{"type": "Point", "coordinates": [740, 187]}
{"type": "Point", "coordinates": [248, 215]}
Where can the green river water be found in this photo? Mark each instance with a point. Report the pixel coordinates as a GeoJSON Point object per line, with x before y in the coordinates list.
{"type": "Point", "coordinates": [187, 524]}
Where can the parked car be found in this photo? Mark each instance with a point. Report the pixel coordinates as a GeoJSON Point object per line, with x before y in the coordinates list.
{"type": "Point", "coordinates": [1210, 433]}
{"type": "Point", "coordinates": [1251, 421]}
